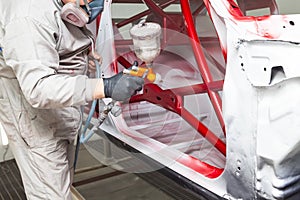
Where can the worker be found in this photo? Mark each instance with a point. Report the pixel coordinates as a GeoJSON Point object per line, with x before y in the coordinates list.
{"type": "Point", "coordinates": [45, 47]}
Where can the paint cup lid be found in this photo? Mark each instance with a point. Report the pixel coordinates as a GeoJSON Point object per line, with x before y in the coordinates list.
{"type": "Point", "coordinates": [145, 30]}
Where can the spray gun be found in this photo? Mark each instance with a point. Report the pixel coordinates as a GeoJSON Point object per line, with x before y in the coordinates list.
{"type": "Point", "coordinates": [134, 70]}
{"type": "Point", "coordinates": [146, 43]}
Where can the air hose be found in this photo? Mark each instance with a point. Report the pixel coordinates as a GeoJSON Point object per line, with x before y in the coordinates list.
{"type": "Point", "coordinates": [83, 137]}
{"type": "Point", "coordinates": [110, 107]}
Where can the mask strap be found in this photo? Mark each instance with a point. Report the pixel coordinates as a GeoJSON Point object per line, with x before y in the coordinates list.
{"type": "Point", "coordinates": [77, 3]}
{"type": "Point", "coordinates": [58, 3]}
{"type": "Point", "coordinates": [86, 3]}
{"type": "Point", "coordinates": [93, 45]}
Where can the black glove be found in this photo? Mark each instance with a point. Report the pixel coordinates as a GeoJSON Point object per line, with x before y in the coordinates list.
{"type": "Point", "coordinates": [121, 87]}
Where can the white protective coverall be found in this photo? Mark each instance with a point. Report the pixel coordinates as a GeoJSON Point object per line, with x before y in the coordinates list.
{"type": "Point", "coordinates": [42, 85]}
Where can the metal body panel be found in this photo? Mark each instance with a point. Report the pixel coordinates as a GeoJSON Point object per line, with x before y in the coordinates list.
{"type": "Point", "coordinates": [239, 140]}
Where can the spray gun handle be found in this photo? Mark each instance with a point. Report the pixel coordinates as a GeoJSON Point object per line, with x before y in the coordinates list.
{"type": "Point", "coordinates": [112, 108]}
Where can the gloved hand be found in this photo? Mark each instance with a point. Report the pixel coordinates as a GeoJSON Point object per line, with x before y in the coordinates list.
{"type": "Point", "coordinates": [121, 87]}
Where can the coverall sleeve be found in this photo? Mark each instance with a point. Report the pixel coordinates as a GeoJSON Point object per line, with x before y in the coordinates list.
{"type": "Point", "coordinates": [29, 48]}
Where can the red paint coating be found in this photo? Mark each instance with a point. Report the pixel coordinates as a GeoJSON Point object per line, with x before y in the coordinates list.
{"type": "Point", "coordinates": [198, 88]}
{"type": "Point", "coordinates": [191, 162]}
{"type": "Point", "coordinates": [224, 52]}
{"type": "Point", "coordinates": [201, 60]}
{"type": "Point", "coordinates": [208, 8]}
{"type": "Point", "coordinates": [263, 26]}
{"type": "Point", "coordinates": [124, 62]}
{"type": "Point", "coordinates": [174, 102]}
{"type": "Point", "coordinates": [98, 19]}
{"type": "Point", "coordinates": [269, 27]}
{"type": "Point", "coordinates": [257, 23]}
{"type": "Point", "coordinates": [204, 131]}
{"type": "Point", "coordinates": [203, 168]}
{"type": "Point", "coordinates": [234, 8]}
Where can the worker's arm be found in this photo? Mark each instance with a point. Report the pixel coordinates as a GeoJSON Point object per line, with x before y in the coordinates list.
{"type": "Point", "coordinates": [29, 48]}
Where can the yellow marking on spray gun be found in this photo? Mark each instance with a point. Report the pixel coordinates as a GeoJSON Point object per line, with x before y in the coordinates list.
{"type": "Point", "coordinates": [144, 73]}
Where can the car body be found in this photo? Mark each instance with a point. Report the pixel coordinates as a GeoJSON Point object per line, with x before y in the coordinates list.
{"type": "Point", "coordinates": [225, 116]}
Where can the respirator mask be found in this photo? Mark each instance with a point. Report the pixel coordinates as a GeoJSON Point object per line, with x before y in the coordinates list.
{"type": "Point", "coordinates": [79, 15]}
